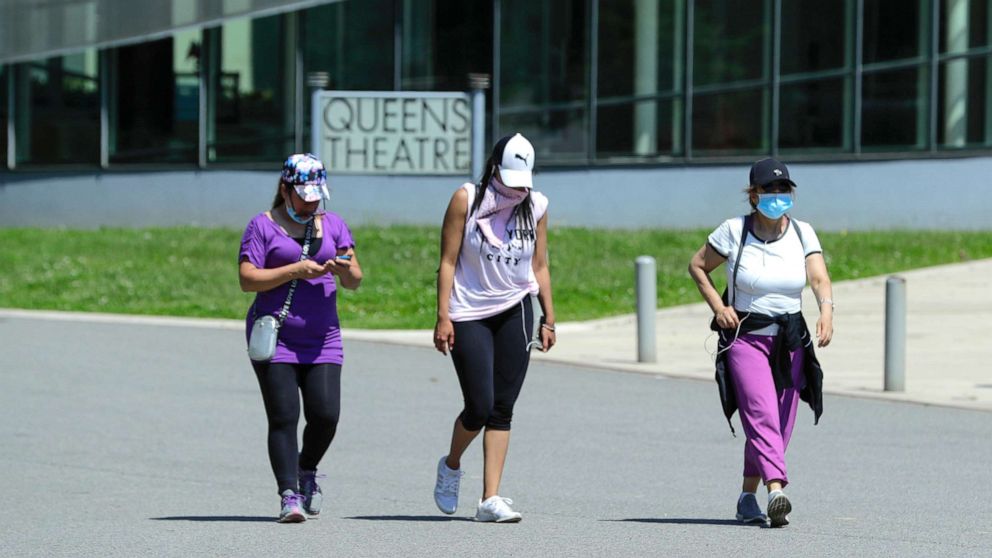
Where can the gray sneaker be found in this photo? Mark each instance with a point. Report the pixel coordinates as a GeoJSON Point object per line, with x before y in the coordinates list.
{"type": "Point", "coordinates": [748, 510]}
{"type": "Point", "coordinates": [313, 499]}
{"type": "Point", "coordinates": [292, 508]}
{"type": "Point", "coordinates": [446, 487]}
{"type": "Point", "coordinates": [779, 507]}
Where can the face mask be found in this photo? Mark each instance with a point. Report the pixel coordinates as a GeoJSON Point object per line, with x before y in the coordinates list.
{"type": "Point", "coordinates": [292, 214]}
{"type": "Point", "coordinates": [774, 206]}
{"type": "Point", "coordinates": [507, 192]}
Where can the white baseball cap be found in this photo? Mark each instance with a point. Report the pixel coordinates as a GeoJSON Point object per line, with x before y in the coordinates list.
{"type": "Point", "coordinates": [514, 157]}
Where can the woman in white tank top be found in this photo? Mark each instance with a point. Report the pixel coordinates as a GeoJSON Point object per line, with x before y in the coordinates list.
{"type": "Point", "coordinates": [493, 259]}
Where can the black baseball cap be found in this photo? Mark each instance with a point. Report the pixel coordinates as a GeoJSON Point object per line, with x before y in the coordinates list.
{"type": "Point", "coordinates": [769, 170]}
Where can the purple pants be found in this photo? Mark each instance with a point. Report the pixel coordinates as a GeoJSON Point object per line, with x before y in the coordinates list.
{"type": "Point", "coordinates": [767, 416]}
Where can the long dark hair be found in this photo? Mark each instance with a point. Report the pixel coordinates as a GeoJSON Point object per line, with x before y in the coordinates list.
{"type": "Point", "coordinates": [278, 199]}
{"type": "Point", "coordinates": [523, 213]}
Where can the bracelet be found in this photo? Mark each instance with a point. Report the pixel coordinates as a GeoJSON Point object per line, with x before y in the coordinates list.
{"type": "Point", "coordinates": [827, 300]}
{"type": "Point", "coordinates": [548, 327]}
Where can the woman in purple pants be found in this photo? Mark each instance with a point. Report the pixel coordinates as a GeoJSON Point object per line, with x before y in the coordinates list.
{"type": "Point", "coordinates": [765, 360]}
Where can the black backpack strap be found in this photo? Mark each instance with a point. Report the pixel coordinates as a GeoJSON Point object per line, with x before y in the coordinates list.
{"type": "Point", "coordinates": [799, 232]}
{"type": "Point", "coordinates": [740, 250]}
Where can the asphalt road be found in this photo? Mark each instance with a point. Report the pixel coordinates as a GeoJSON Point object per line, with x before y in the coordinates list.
{"type": "Point", "coordinates": [149, 440]}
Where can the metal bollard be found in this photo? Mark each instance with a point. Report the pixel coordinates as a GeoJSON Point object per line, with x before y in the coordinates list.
{"type": "Point", "coordinates": [647, 304]}
{"type": "Point", "coordinates": [895, 334]}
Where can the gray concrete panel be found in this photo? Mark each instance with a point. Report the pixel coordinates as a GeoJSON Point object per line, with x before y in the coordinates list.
{"type": "Point", "coordinates": [953, 194]}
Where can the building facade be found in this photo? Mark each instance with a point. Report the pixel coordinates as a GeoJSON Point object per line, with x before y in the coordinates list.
{"type": "Point", "coordinates": [637, 95]}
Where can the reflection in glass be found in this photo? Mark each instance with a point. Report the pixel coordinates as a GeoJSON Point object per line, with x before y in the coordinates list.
{"type": "Point", "coordinates": [444, 41]}
{"type": "Point", "coordinates": [640, 54]}
{"type": "Point", "coordinates": [543, 57]}
{"type": "Point", "coordinates": [811, 115]}
{"type": "Point", "coordinates": [251, 116]}
{"type": "Point", "coordinates": [813, 34]}
{"type": "Point", "coordinates": [964, 24]}
{"type": "Point", "coordinates": [963, 103]}
{"type": "Point", "coordinates": [155, 100]}
{"type": "Point", "coordinates": [557, 135]}
{"type": "Point", "coordinates": [730, 123]}
{"type": "Point", "coordinates": [730, 37]}
{"type": "Point", "coordinates": [58, 115]}
{"type": "Point", "coordinates": [894, 29]}
{"type": "Point", "coordinates": [3, 116]}
{"type": "Point", "coordinates": [353, 43]}
{"type": "Point", "coordinates": [894, 110]}
{"type": "Point", "coordinates": [616, 125]}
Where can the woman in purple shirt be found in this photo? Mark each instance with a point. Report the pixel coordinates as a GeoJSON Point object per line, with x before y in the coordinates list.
{"type": "Point", "coordinates": [308, 355]}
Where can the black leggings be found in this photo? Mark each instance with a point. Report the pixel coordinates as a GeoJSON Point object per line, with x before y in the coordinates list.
{"type": "Point", "coordinates": [281, 384]}
{"type": "Point", "coordinates": [491, 357]}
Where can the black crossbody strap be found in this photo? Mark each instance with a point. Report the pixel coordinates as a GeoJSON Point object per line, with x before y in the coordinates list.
{"type": "Point", "coordinates": [292, 285]}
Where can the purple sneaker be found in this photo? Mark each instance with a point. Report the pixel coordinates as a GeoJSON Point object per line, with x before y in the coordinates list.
{"type": "Point", "coordinates": [292, 510]}
{"type": "Point", "coordinates": [313, 498]}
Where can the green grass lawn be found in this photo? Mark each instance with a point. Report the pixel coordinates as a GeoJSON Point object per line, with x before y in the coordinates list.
{"type": "Point", "coordinates": [193, 272]}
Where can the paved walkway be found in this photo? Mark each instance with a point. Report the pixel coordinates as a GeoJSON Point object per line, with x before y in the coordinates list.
{"type": "Point", "coordinates": [948, 352]}
{"type": "Point", "coordinates": [948, 348]}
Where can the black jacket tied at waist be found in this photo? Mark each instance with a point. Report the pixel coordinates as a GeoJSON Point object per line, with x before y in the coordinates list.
{"type": "Point", "coordinates": [792, 335]}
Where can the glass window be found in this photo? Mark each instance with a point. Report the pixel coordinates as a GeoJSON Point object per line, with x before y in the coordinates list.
{"type": "Point", "coordinates": [811, 115]}
{"type": "Point", "coordinates": [639, 47]}
{"type": "Point", "coordinates": [155, 101]}
{"type": "Point", "coordinates": [557, 135]}
{"type": "Point", "coordinates": [543, 57]}
{"type": "Point", "coordinates": [640, 54]}
{"type": "Point", "coordinates": [813, 35]}
{"type": "Point", "coordinates": [353, 43]}
{"type": "Point", "coordinates": [963, 103]}
{"type": "Point", "coordinates": [444, 41]}
{"type": "Point", "coordinates": [252, 90]}
{"type": "Point", "coordinates": [894, 29]}
{"type": "Point", "coordinates": [637, 129]}
{"type": "Point", "coordinates": [964, 24]}
{"type": "Point", "coordinates": [58, 114]}
{"type": "Point", "coordinates": [730, 38]}
{"type": "Point", "coordinates": [894, 110]}
{"type": "Point", "coordinates": [543, 75]}
{"type": "Point", "coordinates": [730, 123]}
{"type": "Point", "coordinates": [3, 117]}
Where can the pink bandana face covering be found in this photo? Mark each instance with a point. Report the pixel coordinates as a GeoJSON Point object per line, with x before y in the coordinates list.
{"type": "Point", "coordinates": [496, 199]}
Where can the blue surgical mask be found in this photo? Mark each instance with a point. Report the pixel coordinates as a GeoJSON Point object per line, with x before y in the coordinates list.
{"type": "Point", "coordinates": [774, 206]}
{"type": "Point", "coordinates": [292, 215]}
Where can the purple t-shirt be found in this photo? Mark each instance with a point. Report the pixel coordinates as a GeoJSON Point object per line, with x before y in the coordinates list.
{"type": "Point", "coordinates": [311, 333]}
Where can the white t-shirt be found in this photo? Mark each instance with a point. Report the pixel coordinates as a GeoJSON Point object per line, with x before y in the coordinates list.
{"type": "Point", "coordinates": [489, 280]}
{"type": "Point", "coordinates": [771, 275]}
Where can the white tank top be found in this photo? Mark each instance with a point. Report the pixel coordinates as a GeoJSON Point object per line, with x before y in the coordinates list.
{"type": "Point", "coordinates": [489, 280]}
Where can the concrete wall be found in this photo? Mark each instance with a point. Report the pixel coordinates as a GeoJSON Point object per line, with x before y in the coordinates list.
{"type": "Point", "coordinates": [914, 194]}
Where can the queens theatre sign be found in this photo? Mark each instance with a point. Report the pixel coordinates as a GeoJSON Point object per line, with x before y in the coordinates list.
{"type": "Point", "coordinates": [389, 132]}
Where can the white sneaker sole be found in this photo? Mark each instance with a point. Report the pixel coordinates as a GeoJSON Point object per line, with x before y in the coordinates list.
{"type": "Point", "coordinates": [293, 518]}
{"type": "Point", "coordinates": [778, 511]}
{"type": "Point", "coordinates": [492, 519]}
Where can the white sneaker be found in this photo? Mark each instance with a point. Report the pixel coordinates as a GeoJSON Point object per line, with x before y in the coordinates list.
{"type": "Point", "coordinates": [446, 487]}
{"type": "Point", "coordinates": [497, 509]}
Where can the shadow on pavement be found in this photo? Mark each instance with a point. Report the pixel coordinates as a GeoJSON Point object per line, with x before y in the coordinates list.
{"type": "Point", "coordinates": [683, 521]}
{"type": "Point", "coordinates": [408, 518]}
{"type": "Point", "coordinates": [206, 518]}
